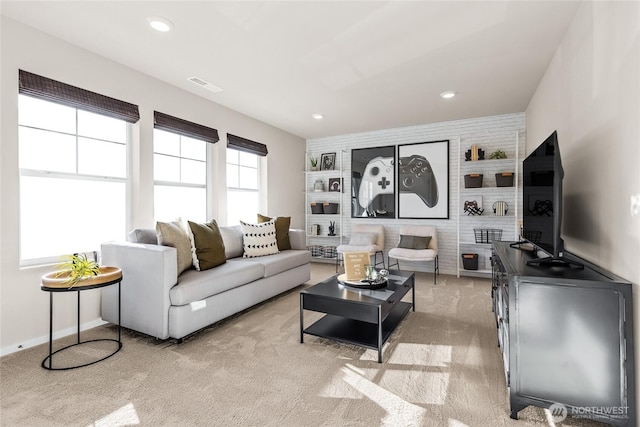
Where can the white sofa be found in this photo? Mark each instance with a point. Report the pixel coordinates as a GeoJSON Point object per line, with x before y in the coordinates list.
{"type": "Point", "coordinates": [158, 302]}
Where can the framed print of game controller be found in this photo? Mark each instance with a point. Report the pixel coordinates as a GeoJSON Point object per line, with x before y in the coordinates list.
{"type": "Point", "coordinates": [373, 182]}
{"type": "Point", "coordinates": [423, 180]}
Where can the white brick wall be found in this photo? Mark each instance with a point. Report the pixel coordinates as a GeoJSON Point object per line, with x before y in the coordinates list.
{"type": "Point", "coordinates": [489, 133]}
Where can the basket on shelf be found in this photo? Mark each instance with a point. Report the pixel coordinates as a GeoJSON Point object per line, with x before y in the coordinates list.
{"type": "Point", "coordinates": [487, 235]}
{"type": "Point", "coordinates": [473, 180]}
{"type": "Point", "coordinates": [316, 250]}
{"type": "Point", "coordinates": [330, 208]}
{"type": "Point", "coordinates": [329, 251]}
{"type": "Point", "coordinates": [504, 179]}
{"type": "Point", "coordinates": [470, 261]}
{"type": "Point", "coordinates": [316, 208]}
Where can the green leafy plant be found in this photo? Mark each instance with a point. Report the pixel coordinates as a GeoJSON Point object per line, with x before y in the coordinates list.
{"type": "Point", "coordinates": [77, 267]}
{"type": "Point", "coordinates": [498, 154]}
{"type": "Point", "coordinates": [314, 161]}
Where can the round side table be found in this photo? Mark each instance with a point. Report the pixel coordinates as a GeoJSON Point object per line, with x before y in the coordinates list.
{"type": "Point", "coordinates": [109, 276]}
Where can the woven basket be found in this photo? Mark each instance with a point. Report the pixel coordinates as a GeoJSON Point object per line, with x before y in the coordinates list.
{"type": "Point", "coordinates": [316, 250]}
{"type": "Point", "coordinates": [329, 251]}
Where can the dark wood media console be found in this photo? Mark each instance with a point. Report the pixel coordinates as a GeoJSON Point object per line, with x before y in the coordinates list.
{"type": "Point", "coordinates": [566, 337]}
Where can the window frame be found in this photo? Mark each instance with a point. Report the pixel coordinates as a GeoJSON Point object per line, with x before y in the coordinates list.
{"type": "Point", "coordinates": [78, 176]}
{"type": "Point", "coordinates": [180, 184]}
{"type": "Point", "coordinates": [260, 185]}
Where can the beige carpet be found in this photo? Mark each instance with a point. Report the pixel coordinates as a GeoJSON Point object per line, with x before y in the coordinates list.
{"type": "Point", "coordinates": [441, 368]}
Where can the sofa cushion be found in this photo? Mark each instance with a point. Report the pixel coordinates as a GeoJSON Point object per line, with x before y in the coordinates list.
{"type": "Point", "coordinates": [259, 239]}
{"type": "Point", "coordinates": [358, 248]}
{"type": "Point", "coordinates": [143, 235]}
{"type": "Point", "coordinates": [282, 230]}
{"type": "Point", "coordinates": [232, 238]}
{"type": "Point", "coordinates": [173, 234]}
{"type": "Point", "coordinates": [207, 246]}
{"type": "Point", "coordinates": [198, 285]}
{"type": "Point", "coordinates": [283, 261]}
{"type": "Point", "coordinates": [412, 254]}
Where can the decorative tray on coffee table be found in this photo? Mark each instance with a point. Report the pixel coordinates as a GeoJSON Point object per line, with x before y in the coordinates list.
{"type": "Point", "coordinates": [364, 283]}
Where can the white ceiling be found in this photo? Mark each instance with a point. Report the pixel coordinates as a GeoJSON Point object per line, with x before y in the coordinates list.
{"type": "Point", "coordinates": [364, 65]}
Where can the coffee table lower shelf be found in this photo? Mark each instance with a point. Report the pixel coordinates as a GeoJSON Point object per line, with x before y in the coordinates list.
{"type": "Point", "coordinates": [357, 332]}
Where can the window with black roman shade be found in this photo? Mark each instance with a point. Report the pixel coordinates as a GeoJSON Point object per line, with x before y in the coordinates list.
{"type": "Point", "coordinates": [246, 145]}
{"type": "Point", "coordinates": [183, 127]}
{"type": "Point", "coordinates": [52, 90]}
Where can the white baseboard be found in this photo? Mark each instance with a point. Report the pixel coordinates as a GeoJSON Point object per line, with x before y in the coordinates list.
{"type": "Point", "coordinates": [45, 338]}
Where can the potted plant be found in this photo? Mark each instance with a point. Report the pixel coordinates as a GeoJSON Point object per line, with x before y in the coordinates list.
{"type": "Point", "coordinates": [498, 154]}
{"type": "Point", "coordinates": [78, 269]}
{"type": "Point", "coordinates": [314, 163]}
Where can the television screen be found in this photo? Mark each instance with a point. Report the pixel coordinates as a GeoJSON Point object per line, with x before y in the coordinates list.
{"type": "Point", "coordinates": [542, 176]}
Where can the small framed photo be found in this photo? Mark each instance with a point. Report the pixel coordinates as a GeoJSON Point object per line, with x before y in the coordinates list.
{"type": "Point", "coordinates": [328, 161]}
{"type": "Point", "coordinates": [335, 184]}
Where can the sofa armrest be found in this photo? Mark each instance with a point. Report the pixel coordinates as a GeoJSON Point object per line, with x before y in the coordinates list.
{"type": "Point", "coordinates": [298, 239]}
{"type": "Point", "coordinates": [148, 273]}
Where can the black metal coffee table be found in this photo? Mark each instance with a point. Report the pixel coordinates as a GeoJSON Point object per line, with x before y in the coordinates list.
{"type": "Point", "coordinates": [356, 316]}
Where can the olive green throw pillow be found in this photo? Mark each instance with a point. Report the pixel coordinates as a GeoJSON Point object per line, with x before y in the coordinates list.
{"type": "Point", "coordinates": [414, 242]}
{"type": "Point", "coordinates": [207, 246]}
{"type": "Point", "coordinates": [283, 223]}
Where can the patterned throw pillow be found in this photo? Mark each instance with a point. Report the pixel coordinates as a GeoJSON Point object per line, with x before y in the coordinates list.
{"type": "Point", "coordinates": [259, 239]}
{"type": "Point", "coordinates": [282, 230]}
{"type": "Point", "coordinates": [206, 245]}
{"type": "Point", "coordinates": [173, 234]}
{"type": "Point", "coordinates": [414, 242]}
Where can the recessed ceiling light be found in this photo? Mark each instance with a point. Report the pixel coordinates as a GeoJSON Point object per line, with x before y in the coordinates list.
{"type": "Point", "coordinates": [160, 24]}
{"type": "Point", "coordinates": [317, 116]}
{"type": "Point", "coordinates": [448, 94]}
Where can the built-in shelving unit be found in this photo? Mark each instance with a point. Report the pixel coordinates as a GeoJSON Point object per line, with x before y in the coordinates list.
{"type": "Point", "coordinates": [331, 191]}
{"type": "Point", "coordinates": [487, 196]}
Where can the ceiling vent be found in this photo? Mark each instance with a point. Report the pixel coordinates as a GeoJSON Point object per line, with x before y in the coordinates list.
{"type": "Point", "coordinates": [205, 84]}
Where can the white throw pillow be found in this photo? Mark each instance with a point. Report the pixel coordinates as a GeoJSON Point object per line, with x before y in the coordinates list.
{"type": "Point", "coordinates": [363, 239]}
{"type": "Point", "coordinates": [259, 239]}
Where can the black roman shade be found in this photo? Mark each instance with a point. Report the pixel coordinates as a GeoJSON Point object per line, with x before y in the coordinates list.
{"type": "Point", "coordinates": [246, 145]}
{"type": "Point", "coordinates": [183, 127]}
{"type": "Point", "coordinates": [62, 93]}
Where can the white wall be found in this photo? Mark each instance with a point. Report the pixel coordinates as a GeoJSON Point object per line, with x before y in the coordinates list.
{"type": "Point", "coordinates": [489, 133]}
{"type": "Point", "coordinates": [591, 95]}
{"type": "Point", "coordinates": [23, 306]}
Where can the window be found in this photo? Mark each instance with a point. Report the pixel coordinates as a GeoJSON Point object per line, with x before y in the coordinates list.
{"type": "Point", "coordinates": [243, 197]}
{"type": "Point", "coordinates": [180, 168]}
{"type": "Point", "coordinates": [73, 179]}
{"type": "Point", "coordinates": [180, 177]}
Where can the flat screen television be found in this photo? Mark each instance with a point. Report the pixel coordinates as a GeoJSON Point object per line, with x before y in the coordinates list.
{"type": "Point", "coordinates": [542, 177]}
